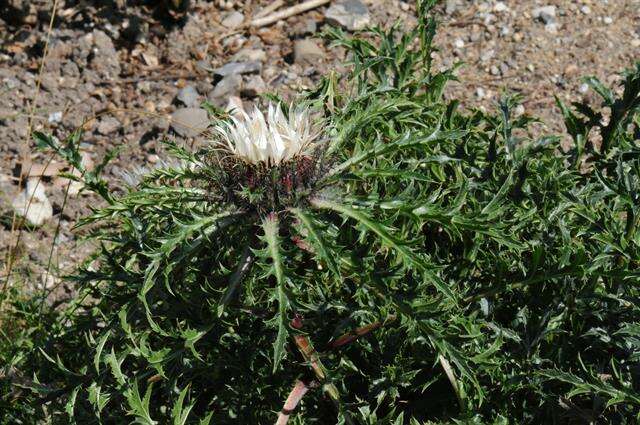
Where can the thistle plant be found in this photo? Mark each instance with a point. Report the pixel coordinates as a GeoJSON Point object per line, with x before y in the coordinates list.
{"type": "Point", "coordinates": [368, 254]}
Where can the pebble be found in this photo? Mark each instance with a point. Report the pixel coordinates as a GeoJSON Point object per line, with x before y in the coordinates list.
{"type": "Point", "coordinates": [189, 122]}
{"type": "Point", "coordinates": [307, 51]}
{"type": "Point", "coordinates": [585, 9]}
{"type": "Point", "coordinates": [584, 88]}
{"type": "Point", "coordinates": [55, 117]}
{"type": "Point", "coordinates": [451, 6]}
{"type": "Point", "coordinates": [546, 14]}
{"type": "Point", "coordinates": [480, 93]}
{"type": "Point", "coordinates": [32, 203]}
{"type": "Point", "coordinates": [254, 86]}
{"type": "Point", "coordinates": [228, 86]}
{"type": "Point", "coordinates": [519, 110]}
{"type": "Point", "coordinates": [494, 70]}
{"type": "Point", "coordinates": [250, 55]}
{"type": "Point", "coordinates": [352, 15]}
{"type": "Point", "coordinates": [551, 28]}
{"type": "Point", "coordinates": [238, 68]}
{"type": "Point", "coordinates": [487, 55]}
{"type": "Point", "coordinates": [233, 19]}
{"type": "Point", "coordinates": [607, 20]}
{"type": "Point", "coordinates": [189, 96]}
{"type": "Point", "coordinates": [459, 43]}
{"type": "Point", "coordinates": [108, 125]}
{"type": "Point", "coordinates": [500, 7]}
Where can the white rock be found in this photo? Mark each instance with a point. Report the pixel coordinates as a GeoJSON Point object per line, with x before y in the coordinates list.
{"type": "Point", "coordinates": [585, 9]}
{"type": "Point", "coordinates": [32, 203]}
{"type": "Point", "coordinates": [189, 122]}
{"type": "Point", "coordinates": [233, 19]}
{"type": "Point", "coordinates": [500, 7]}
{"type": "Point", "coordinates": [350, 14]}
{"type": "Point", "coordinates": [55, 117]}
{"type": "Point", "coordinates": [459, 43]}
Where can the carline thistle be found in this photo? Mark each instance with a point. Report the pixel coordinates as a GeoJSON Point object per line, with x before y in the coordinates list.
{"type": "Point", "coordinates": [270, 162]}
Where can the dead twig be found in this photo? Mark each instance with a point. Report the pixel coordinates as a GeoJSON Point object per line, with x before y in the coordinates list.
{"type": "Point", "coordinates": [269, 9]}
{"type": "Point", "coordinates": [290, 11]}
{"type": "Point", "coordinates": [358, 332]}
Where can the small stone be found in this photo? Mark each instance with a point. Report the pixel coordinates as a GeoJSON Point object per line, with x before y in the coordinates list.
{"type": "Point", "coordinates": [306, 27]}
{"type": "Point", "coordinates": [238, 68]}
{"type": "Point", "coordinates": [189, 96]}
{"type": "Point", "coordinates": [32, 203]}
{"type": "Point", "coordinates": [531, 68]}
{"type": "Point", "coordinates": [55, 117]}
{"type": "Point", "coordinates": [494, 70]}
{"type": "Point", "coordinates": [108, 125]}
{"type": "Point", "coordinates": [228, 86]}
{"type": "Point", "coordinates": [250, 55]}
{"type": "Point", "coordinates": [233, 19]}
{"type": "Point", "coordinates": [49, 82]}
{"type": "Point", "coordinates": [585, 9]}
{"type": "Point", "coordinates": [487, 55]}
{"type": "Point", "coordinates": [459, 43]}
{"type": "Point", "coordinates": [519, 110]}
{"type": "Point", "coordinates": [584, 88]}
{"type": "Point", "coordinates": [500, 7]}
{"type": "Point", "coordinates": [546, 14]}
{"type": "Point", "coordinates": [189, 122]}
{"type": "Point", "coordinates": [254, 86]}
{"type": "Point", "coordinates": [451, 6]}
{"type": "Point", "coordinates": [551, 28]}
{"type": "Point", "coordinates": [607, 20]}
{"type": "Point", "coordinates": [571, 69]}
{"type": "Point", "coordinates": [352, 15]}
{"type": "Point", "coordinates": [307, 51]}
{"type": "Point", "coordinates": [480, 93]}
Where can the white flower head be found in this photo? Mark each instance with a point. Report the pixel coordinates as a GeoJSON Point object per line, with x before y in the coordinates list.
{"type": "Point", "coordinates": [270, 140]}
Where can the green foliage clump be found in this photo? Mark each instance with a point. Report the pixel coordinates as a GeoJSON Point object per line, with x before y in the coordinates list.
{"type": "Point", "coordinates": [443, 267]}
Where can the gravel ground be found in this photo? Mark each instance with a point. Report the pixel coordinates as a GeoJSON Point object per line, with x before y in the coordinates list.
{"type": "Point", "coordinates": [150, 64]}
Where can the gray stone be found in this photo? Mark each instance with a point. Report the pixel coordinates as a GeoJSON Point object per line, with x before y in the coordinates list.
{"type": "Point", "coordinates": [238, 68]}
{"type": "Point", "coordinates": [546, 14]}
{"type": "Point", "coordinates": [189, 96]}
{"type": "Point", "coordinates": [105, 60]}
{"type": "Point", "coordinates": [55, 117]}
{"type": "Point", "coordinates": [189, 122]}
{"type": "Point", "coordinates": [254, 86]}
{"type": "Point", "coordinates": [50, 82]}
{"type": "Point", "coordinates": [350, 14]}
{"type": "Point", "coordinates": [228, 86]}
{"type": "Point", "coordinates": [233, 19]}
{"type": "Point", "coordinates": [451, 6]}
{"type": "Point", "coordinates": [250, 55]}
{"type": "Point", "coordinates": [305, 27]}
{"type": "Point", "coordinates": [108, 125]}
{"type": "Point", "coordinates": [307, 51]}
{"type": "Point", "coordinates": [32, 203]}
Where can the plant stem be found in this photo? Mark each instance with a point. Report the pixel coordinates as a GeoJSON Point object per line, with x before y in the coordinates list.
{"type": "Point", "coordinates": [296, 394]}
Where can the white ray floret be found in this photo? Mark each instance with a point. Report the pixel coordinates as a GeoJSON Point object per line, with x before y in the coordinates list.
{"type": "Point", "coordinates": [270, 140]}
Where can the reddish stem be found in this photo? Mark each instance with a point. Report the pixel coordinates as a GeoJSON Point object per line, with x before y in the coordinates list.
{"type": "Point", "coordinates": [296, 394]}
